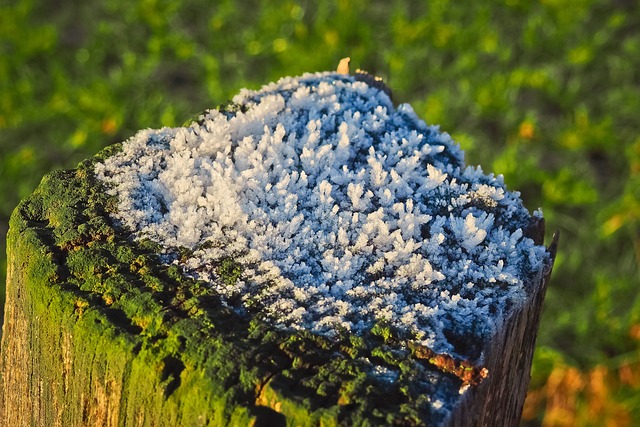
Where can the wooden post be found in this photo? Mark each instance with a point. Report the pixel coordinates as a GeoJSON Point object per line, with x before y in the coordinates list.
{"type": "Point", "coordinates": [98, 332]}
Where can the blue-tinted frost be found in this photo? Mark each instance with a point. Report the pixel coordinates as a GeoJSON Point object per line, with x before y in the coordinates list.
{"type": "Point", "coordinates": [341, 209]}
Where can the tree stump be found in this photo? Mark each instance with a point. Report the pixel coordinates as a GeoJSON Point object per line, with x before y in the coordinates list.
{"type": "Point", "coordinates": [104, 326]}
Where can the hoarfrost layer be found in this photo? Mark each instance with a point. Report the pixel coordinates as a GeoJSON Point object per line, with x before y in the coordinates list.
{"type": "Point", "coordinates": [341, 210]}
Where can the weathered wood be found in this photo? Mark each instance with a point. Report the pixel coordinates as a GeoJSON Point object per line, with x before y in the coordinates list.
{"type": "Point", "coordinates": [498, 401]}
{"type": "Point", "coordinates": [138, 348]}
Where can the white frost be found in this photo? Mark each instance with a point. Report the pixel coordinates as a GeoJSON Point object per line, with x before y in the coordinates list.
{"type": "Point", "coordinates": [341, 210]}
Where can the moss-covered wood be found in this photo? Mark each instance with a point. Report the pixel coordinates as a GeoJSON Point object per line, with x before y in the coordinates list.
{"type": "Point", "coordinates": [98, 332]}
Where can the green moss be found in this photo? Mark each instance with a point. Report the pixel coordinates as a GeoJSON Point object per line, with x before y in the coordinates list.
{"type": "Point", "coordinates": [229, 271]}
{"type": "Point", "coordinates": [382, 330]}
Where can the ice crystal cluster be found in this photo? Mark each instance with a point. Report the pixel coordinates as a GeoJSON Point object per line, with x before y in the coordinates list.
{"type": "Point", "coordinates": [340, 210]}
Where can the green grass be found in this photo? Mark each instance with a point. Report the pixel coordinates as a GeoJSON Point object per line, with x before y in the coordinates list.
{"type": "Point", "coordinates": [543, 92]}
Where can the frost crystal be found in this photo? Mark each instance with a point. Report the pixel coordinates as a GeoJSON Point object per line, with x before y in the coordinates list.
{"type": "Point", "coordinates": [340, 209]}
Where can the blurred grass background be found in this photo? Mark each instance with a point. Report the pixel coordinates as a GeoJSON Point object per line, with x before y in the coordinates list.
{"type": "Point", "coordinates": [545, 92]}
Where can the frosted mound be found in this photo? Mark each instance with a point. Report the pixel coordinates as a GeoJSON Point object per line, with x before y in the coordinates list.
{"type": "Point", "coordinates": [340, 210]}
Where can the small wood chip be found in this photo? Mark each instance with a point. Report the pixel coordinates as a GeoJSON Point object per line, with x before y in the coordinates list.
{"type": "Point", "coordinates": [343, 66]}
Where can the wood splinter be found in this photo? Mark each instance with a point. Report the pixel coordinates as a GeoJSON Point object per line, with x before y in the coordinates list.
{"type": "Point", "coordinates": [343, 66]}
